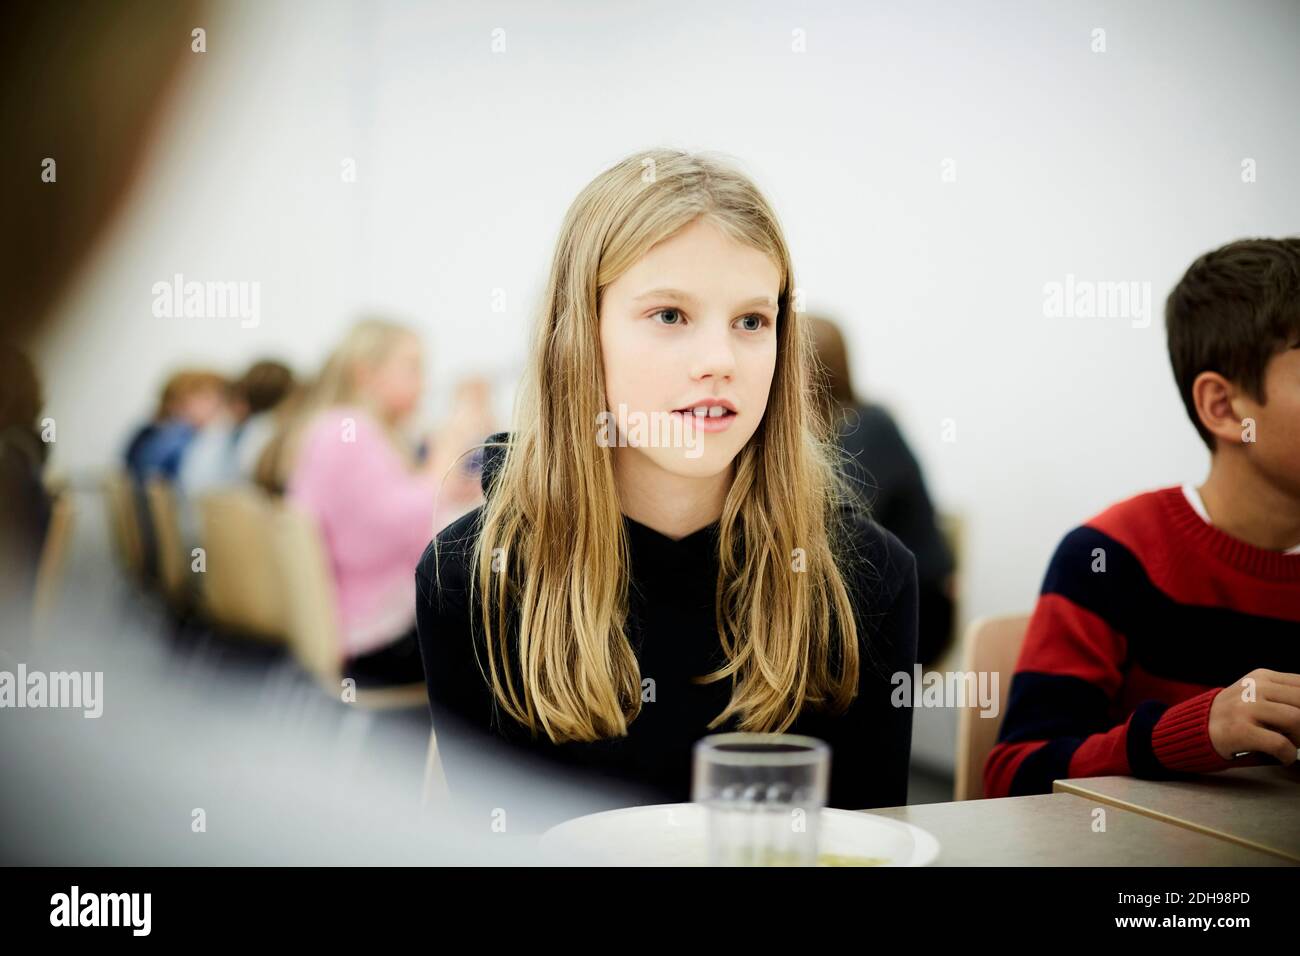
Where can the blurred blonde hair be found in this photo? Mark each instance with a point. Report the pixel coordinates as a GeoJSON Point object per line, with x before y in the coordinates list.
{"type": "Point", "coordinates": [368, 342]}
{"type": "Point", "coordinates": [790, 638]}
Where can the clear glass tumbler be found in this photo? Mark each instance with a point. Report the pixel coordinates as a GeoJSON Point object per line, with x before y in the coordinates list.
{"type": "Point", "coordinates": [763, 795]}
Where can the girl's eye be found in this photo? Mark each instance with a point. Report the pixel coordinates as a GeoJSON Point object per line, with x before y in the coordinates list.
{"type": "Point", "coordinates": [675, 317]}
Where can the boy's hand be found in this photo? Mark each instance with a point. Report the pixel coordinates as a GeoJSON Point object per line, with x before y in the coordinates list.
{"type": "Point", "coordinates": [1259, 713]}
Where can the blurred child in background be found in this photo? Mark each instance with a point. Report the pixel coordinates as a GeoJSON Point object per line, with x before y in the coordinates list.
{"type": "Point", "coordinates": [191, 399]}
{"type": "Point", "coordinates": [344, 461]}
{"type": "Point", "coordinates": [881, 466]}
{"type": "Point", "coordinates": [226, 450]}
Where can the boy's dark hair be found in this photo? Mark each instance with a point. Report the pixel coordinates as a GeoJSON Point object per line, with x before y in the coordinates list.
{"type": "Point", "coordinates": [264, 385]}
{"type": "Point", "coordinates": [1233, 310]}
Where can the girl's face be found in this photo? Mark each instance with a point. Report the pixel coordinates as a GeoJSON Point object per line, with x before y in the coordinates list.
{"type": "Point", "coordinates": [692, 322]}
{"type": "Point", "coordinates": [394, 383]}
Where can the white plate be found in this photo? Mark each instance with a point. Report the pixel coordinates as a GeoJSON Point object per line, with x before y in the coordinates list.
{"type": "Point", "coordinates": [672, 834]}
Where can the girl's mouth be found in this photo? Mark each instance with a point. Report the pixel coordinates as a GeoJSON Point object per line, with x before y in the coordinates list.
{"type": "Point", "coordinates": [712, 418]}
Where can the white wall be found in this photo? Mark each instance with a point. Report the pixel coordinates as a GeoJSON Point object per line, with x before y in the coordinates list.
{"type": "Point", "coordinates": [1111, 166]}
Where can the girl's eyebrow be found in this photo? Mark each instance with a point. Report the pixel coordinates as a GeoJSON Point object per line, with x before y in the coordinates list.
{"type": "Point", "coordinates": [758, 300]}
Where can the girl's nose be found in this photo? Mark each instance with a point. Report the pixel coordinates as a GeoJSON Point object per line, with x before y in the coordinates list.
{"type": "Point", "coordinates": [714, 355]}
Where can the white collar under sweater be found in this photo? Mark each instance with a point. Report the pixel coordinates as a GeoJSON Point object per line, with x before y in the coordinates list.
{"type": "Point", "coordinates": [1194, 499]}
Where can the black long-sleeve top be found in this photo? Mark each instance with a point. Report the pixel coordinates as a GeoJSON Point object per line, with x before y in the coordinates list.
{"type": "Point", "coordinates": [671, 626]}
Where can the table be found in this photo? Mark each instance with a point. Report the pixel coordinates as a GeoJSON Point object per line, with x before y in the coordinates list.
{"type": "Point", "coordinates": [1254, 807]}
{"type": "Point", "coordinates": [1056, 829]}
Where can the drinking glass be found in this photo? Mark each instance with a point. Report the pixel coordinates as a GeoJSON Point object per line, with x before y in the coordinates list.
{"type": "Point", "coordinates": [763, 795]}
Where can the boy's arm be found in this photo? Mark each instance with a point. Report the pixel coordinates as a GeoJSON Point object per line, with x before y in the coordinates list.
{"type": "Point", "coordinates": [1061, 718]}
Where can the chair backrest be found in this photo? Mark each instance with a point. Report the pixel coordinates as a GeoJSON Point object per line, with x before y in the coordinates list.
{"type": "Point", "coordinates": [241, 584]}
{"type": "Point", "coordinates": [307, 582]}
{"type": "Point", "coordinates": [992, 646]}
{"type": "Point", "coordinates": [119, 497]}
{"type": "Point", "coordinates": [54, 555]}
{"type": "Point", "coordinates": [173, 562]}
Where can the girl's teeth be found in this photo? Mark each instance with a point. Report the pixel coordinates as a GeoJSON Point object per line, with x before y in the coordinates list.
{"type": "Point", "coordinates": [716, 411]}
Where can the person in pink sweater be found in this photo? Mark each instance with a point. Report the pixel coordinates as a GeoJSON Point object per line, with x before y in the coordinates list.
{"type": "Point", "coordinates": [376, 506]}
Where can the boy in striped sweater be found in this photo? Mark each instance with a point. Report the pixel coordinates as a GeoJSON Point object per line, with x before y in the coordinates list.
{"type": "Point", "coordinates": [1166, 639]}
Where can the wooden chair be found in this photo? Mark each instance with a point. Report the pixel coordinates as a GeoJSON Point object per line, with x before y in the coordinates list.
{"type": "Point", "coordinates": [992, 645]}
{"type": "Point", "coordinates": [124, 522]}
{"type": "Point", "coordinates": [53, 560]}
{"type": "Point", "coordinates": [173, 561]}
{"type": "Point", "coordinates": [307, 583]}
{"type": "Point", "coordinates": [241, 588]}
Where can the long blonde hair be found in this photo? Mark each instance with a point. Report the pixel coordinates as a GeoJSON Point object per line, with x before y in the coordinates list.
{"type": "Point", "coordinates": [790, 638]}
{"type": "Point", "coordinates": [368, 342]}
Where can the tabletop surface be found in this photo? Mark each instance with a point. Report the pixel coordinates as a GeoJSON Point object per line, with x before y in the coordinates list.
{"type": "Point", "coordinates": [1257, 807]}
{"type": "Point", "coordinates": [1064, 829]}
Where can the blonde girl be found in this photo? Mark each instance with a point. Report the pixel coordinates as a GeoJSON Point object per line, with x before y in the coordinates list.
{"type": "Point", "coordinates": [696, 566]}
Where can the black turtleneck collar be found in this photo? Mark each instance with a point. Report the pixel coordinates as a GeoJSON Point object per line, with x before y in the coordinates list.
{"type": "Point", "coordinates": [697, 552]}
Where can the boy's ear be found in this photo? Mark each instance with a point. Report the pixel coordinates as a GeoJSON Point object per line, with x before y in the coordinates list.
{"type": "Point", "coordinates": [1215, 398]}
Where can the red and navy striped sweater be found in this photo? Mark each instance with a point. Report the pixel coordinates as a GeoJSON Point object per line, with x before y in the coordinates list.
{"type": "Point", "coordinates": [1120, 666]}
